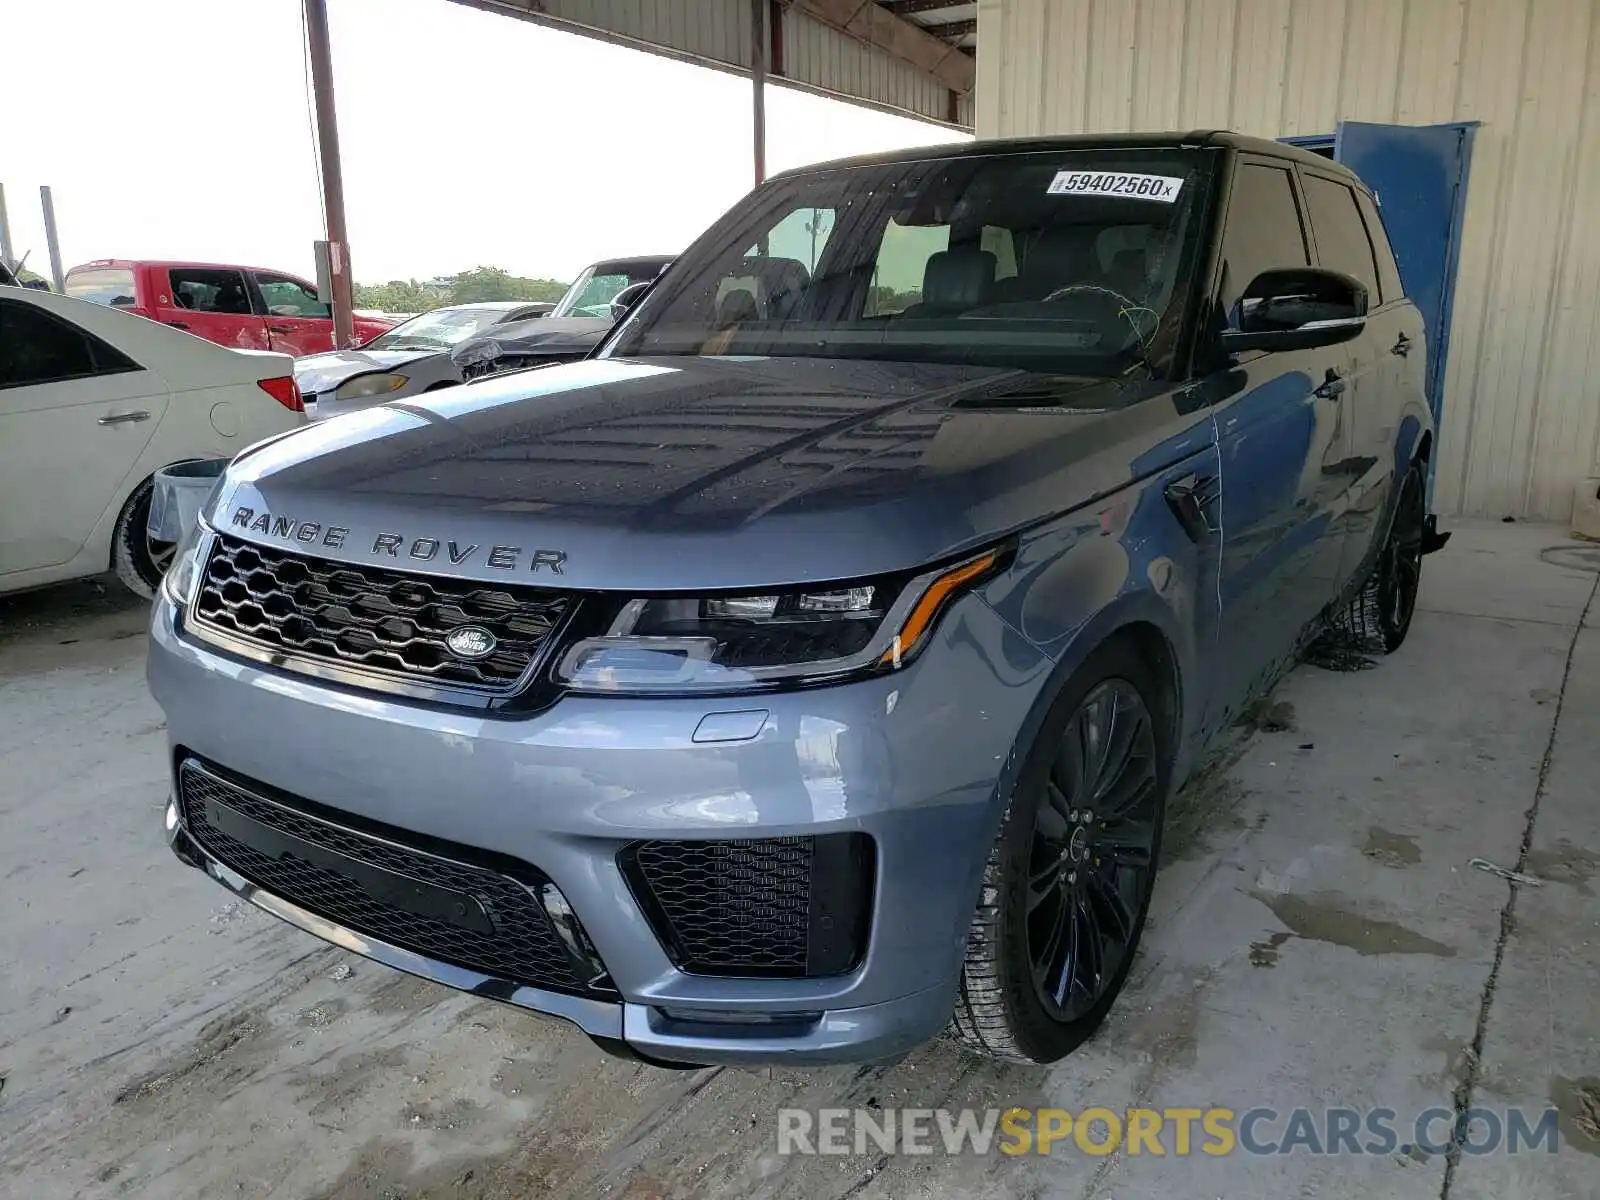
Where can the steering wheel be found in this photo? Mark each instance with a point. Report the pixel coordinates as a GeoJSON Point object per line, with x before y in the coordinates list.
{"type": "Point", "coordinates": [1137, 319]}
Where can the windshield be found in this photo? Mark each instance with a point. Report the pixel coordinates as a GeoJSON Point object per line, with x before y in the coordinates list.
{"type": "Point", "coordinates": [111, 285]}
{"type": "Point", "coordinates": [591, 294]}
{"type": "Point", "coordinates": [437, 330]}
{"type": "Point", "coordinates": [1074, 261]}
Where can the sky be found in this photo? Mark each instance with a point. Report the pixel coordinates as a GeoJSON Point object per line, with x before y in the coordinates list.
{"type": "Point", "coordinates": [182, 129]}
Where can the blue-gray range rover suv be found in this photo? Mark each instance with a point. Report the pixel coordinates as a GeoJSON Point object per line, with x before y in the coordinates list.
{"type": "Point", "coordinates": [808, 670]}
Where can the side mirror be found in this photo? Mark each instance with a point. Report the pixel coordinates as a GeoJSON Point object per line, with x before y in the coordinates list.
{"type": "Point", "coordinates": [628, 297]}
{"type": "Point", "coordinates": [1299, 308]}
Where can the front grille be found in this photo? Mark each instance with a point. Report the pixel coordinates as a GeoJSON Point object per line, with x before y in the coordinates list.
{"type": "Point", "coordinates": [787, 906]}
{"type": "Point", "coordinates": [374, 621]}
{"type": "Point", "coordinates": [451, 911]}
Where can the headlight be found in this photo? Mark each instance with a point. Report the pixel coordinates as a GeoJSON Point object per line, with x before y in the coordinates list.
{"type": "Point", "coordinates": [184, 573]}
{"type": "Point", "coordinates": [697, 644]}
{"type": "Point", "coordinates": [363, 386]}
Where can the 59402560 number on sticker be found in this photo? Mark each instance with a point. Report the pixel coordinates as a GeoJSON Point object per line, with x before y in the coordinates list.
{"type": "Point", "coordinates": [1164, 188]}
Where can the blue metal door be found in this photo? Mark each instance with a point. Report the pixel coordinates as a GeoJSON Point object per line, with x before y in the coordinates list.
{"type": "Point", "coordinates": [1419, 174]}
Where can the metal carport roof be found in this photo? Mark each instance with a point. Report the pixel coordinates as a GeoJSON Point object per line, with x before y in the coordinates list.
{"type": "Point", "coordinates": [915, 57]}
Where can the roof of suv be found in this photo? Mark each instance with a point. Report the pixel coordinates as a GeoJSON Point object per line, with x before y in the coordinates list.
{"type": "Point", "coordinates": [1097, 141]}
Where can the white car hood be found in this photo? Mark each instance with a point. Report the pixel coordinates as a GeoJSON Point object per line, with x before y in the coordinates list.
{"type": "Point", "coordinates": [321, 372]}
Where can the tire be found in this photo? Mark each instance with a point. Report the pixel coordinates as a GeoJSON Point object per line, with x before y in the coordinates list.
{"type": "Point", "coordinates": [138, 562]}
{"type": "Point", "coordinates": [1005, 1009]}
{"type": "Point", "coordinates": [1378, 618]}
{"type": "Point", "coordinates": [1397, 575]}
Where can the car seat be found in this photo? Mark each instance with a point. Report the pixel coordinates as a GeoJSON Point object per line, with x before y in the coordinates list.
{"type": "Point", "coordinates": [230, 298]}
{"type": "Point", "coordinates": [954, 281]}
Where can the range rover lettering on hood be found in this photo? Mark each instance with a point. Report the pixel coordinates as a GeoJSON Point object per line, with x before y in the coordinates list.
{"type": "Point", "coordinates": [392, 545]}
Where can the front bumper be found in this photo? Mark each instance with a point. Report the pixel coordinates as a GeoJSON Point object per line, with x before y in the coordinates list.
{"type": "Point", "coordinates": [910, 760]}
{"type": "Point", "coordinates": [643, 1031]}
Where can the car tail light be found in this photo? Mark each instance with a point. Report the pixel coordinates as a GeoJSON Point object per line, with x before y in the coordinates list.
{"type": "Point", "coordinates": [284, 391]}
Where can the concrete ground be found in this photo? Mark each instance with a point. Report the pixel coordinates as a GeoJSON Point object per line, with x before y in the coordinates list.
{"type": "Point", "coordinates": [1320, 938]}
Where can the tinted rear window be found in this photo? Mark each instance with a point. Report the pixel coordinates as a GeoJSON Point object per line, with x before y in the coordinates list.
{"type": "Point", "coordinates": [39, 347]}
{"type": "Point", "coordinates": [103, 285]}
{"type": "Point", "coordinates": [1342, 242]}
{"type": "Point", "coordinates": [1388, 269]}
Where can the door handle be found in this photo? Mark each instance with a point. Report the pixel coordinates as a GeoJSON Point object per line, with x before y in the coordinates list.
{"type": "Point", "coordinates": [176, 324]}
{"type": "Point", "coordinates": [1401, 347]}
{"type": "Point", "coordinates": [125, 418]}
{"type": "Point", "coordinates": [280, 329]}
{"type": "Point", "coordinates": [1332, 386]}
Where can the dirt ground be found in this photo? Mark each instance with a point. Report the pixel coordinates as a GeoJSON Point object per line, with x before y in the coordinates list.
{"type": "Point", "coordinates": [1320, 936]}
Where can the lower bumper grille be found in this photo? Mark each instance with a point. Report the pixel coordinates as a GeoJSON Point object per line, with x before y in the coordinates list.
{"type": "Point", "coordinates": [460, 913]}
{"type": "Point", "coordinates": [787, 907]}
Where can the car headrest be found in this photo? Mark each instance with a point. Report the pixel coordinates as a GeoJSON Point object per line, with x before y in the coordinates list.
{"type": "Point", "coordinates": [958, 279]}
{"type": "Point", "coordinates": [1059, 255]}
{"type": "Point", "coordinates": [783, 282]}
{"type": "Point", "coordinates": [738, 307]}
{"type": "Point", "coordinates": [1128, 269]}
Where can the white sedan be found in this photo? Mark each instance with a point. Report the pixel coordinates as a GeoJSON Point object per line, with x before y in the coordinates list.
{"type": "Point", "coordinates": [93, 402]}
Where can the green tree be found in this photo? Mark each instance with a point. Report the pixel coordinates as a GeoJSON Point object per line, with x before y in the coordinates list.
{"type": "Point", "coordinates": [401, 295]}
{"type": "Point", "coordinates": [467, 287]}
{"type": "Point", "coordinates": [493, 283]}
{"type": "Point", "coordinates": [885, 300]}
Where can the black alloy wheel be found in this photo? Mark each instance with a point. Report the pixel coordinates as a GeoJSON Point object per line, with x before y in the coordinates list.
{"type": "Point", "coordinates": [1092, 854]}
{"type": "Point", "coordinates": [1067, 883]}
{"type": "Point", "coordinates": [1399, 571]}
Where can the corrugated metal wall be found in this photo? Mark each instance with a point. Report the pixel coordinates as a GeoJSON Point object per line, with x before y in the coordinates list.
{"type": "Point", "coordinates": [1521, 405]}
{"type": "Point", "coordinates": [716, 33]}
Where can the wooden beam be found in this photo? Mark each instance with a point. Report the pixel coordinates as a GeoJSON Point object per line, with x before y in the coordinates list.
{"type": "Point", "coordinates": [869, 22]}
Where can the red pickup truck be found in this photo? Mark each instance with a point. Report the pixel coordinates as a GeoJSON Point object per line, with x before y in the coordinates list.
{"type": "Point", "coordinates": [244, 307]}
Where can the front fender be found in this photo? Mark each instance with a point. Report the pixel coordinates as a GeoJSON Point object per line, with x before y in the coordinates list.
{"type": "Point", "coordinates": [1127, 569]}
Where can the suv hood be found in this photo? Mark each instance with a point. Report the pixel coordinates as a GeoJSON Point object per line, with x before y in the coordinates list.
{"type": "Point", "coordinates": [680, 473]}
{"type": "Point", "coordinates": [537, 335]}
{"type": "Point", "coordinates": [322, 372]}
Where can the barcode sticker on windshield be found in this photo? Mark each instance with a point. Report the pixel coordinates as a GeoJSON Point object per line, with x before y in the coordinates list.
{"type": "Point", "coordinates": [1115, 183]}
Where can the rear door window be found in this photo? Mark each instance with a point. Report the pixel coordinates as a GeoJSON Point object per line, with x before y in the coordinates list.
{"type": "Point", "coordinates": [111, 286]}
{"type": "Point", "coordinates": [1388, 268]}
{"type": "Point", "coordinates": [1342, 242]}
{"type": "Point", "coordinates": [202, 289]}
{"type": "Point", "coordinates": [39, 347]}
{"type": "Point", "coordinates": [288, 297]}
{"type": "Point", "coordinates": [1264, 231]}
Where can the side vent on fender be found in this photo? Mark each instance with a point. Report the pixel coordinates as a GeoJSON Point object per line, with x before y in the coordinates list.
{"type": "Point", "coordinates": [1190, 499]}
